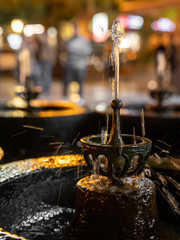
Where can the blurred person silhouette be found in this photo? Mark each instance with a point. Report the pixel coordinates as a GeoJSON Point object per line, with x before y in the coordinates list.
{"type": "Point", "coordinates": [78, 51]}
{"type": "Point", "coordinates": [45, 56]}
{"type": "Point", "coordinates": [174, 62]}
{"type": "Point", "coordinates": [25, 59]}
{"type": "Point", "coordinates": [161, 64]}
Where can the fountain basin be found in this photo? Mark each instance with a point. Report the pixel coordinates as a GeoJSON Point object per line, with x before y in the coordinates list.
{"type": "Point", "coordinates": [160, 96]}
{"type": "Point", "coordinates": [40, 108]}
{"type": "Point", "coordinates": [26, 134]}
{"type": "Point", "coordinates": [38, 198]}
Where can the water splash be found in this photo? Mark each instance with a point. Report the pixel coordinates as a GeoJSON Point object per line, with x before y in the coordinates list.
{"type": "Point", "coordinates": [164, 143]}
{"type": "Point", "coordinates": [104, 135]}
{"type": "Point", "coordinates": [74, 140]}
{"type": "Point", "coordinates": [116, 34]}
{"type": "Point", "coordinates": [33, 127]}
{"type": "Point", "coordinates": [96, 166]}
{"type": "Point", "coordinates": [143, 123]}
{"type": "Point", "coordinates": [19, 133]}
{"type": "Point", "coordinates": [134, 135]}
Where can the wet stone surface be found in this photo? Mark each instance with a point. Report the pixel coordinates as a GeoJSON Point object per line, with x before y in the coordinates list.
{"type": "Point", "coordinates": [39, 203]}
{"type": "Point", "coordinates": [51, 222]}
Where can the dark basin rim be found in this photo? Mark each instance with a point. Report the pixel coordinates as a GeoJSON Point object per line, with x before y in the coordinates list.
{"type": "Point", "coordinates": [144, 141]}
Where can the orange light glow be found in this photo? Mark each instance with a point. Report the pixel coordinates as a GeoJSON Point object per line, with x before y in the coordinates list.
{"type": "Point", "coordinates": [58, 161]}
{"type": "Point", "coordinates": [1, 153]}
{"type": "Point", "coordinates": [12, 236]}
{"type": "Point", "coordinates": [131, 56]}
{"type": "Point", "coordinates": [66, 108]}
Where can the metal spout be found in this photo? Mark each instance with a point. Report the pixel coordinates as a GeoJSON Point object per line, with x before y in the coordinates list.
{"type": "Point", "coordinates": [115, 134]}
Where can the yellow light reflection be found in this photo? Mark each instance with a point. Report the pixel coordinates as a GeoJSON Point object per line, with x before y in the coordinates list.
{"type": "Point", "coordinates": [58, 161]}
{"type": "Point", "coordinates": [66, 108]}
{"type": "Point", "coordinates": [8, 235]}
{"type": "Point", "coordinates": [1, 153]}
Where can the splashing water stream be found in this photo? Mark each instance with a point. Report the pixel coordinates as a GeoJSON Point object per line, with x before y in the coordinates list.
{"type": "Point", "coordinates": [116, 34]}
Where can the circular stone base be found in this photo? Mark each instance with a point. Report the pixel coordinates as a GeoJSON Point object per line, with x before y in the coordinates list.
{"type": "Point", "coordinates": [108, 211]}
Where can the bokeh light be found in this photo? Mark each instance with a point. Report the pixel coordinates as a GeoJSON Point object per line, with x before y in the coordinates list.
{"type": "Point", "coordinates": [31, 29]}
{"type": "Point", "coordinates": [152, 84]}
{"type": "Point", "coordinates": [163, 25]}
{"type": "Point", "coordinates": [1, 30]}
{"type": "Point", "coordinates": [52, 32]}
{"type": "Point", "coordinates": [131, 21]}
{"type": "Point", "coordinates": [66, 30]}
{"type": "Point", "coordinates": [125, 43]}
{"type": "Point", "coordinates": [17, 25]}
{"type": "Point", "coordinates": [100, 27]}
{"type": "Point", "coordinates": [14, 41]}
{"type": "Point", "coordinates": [135, 39]}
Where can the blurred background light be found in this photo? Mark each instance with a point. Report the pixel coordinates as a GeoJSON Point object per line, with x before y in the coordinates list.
{"type": "Point", "coordinates": [135, 22]}
{"type": "Point", "coordinates": [131, 56]}
{"type": "Point", "coordinates": [31, 29]}
{"type": "Point", "coordinates": [135, 39]}
{"type": "Point", "coordinates": [52, 32]}
{"type": "Point", "coordinates": [125, 43]}
{"type": "Point", "coordinates": [1, 30]}
{"type": "Point", "coordinates": [124, 20]}
{"type": "Point", "coordinates": [163, 25]}
{"type": "Point", "coordinates": [131, 21]}
{"type": "Point", "coordinates": [100, 27]}
{"type": "Point", "coordinates": [66, 30]}
{"type": "Point", "coordinates": [38, 29]}
{"type": "Point", "coordinates": [17, 25]}
{"type": "Point", "coordinates": [152, 84]}
{"type": "Point", "coordinates": [28, 30]}
{"type": "Point", "coordinates": [14, 41]}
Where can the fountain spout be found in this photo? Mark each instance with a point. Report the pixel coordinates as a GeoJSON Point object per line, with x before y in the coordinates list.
{"type": "Point", "coordinates": [115, 134]}
{"type": "Point", "coordinates": [116, 34]}
{"type": "Point", "coordinates": [120, 157]}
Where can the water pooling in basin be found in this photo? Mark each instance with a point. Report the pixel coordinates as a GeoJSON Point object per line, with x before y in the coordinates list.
{"type": "Point", "coordinates": [37, 198]}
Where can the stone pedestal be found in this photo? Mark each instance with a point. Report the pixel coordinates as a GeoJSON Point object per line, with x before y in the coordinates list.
{"type": "Point", "coordinates": [125, 211]}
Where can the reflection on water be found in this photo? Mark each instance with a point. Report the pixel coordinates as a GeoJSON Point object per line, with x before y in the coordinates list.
{"type": "Point", "coordinates": [25, 166]}
{"type": "Point", "coordinates": [43, 108]}
{"type": "Point", "coordinates": [37, 197]}
{"type": "Point", "coordinates": [51, 222]}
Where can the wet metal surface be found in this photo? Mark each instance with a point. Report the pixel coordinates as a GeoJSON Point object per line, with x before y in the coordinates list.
{"type": "Point", "coordinates": [133, 200]}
